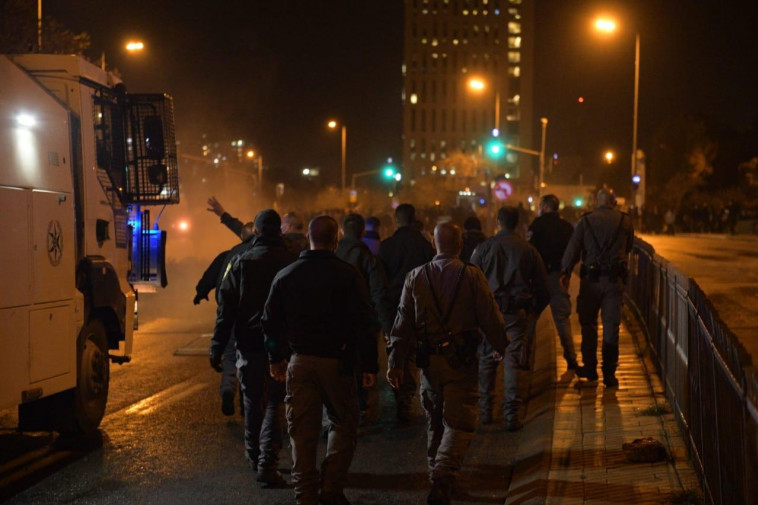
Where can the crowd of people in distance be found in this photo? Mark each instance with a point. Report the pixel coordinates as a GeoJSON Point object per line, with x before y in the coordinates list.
{"type": "Point", "coordinates": [304, 311]}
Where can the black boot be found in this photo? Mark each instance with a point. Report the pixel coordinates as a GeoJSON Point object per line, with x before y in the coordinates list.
{"type": "Point", "coordinates": [440, 493]}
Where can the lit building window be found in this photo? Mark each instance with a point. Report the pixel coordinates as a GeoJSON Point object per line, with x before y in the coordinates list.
{"type": "Point", "coordinates": [514, 57]}
{"type": "Point", "coordinates": [515, 100]}
{"type": "Point", "coordinates": [514, 71]}
{"type": "Point", "coordinates": [514, 42]}
{"type": "Point", "coordinates": [414, 98]}
{"type": "Point", "coordinates": [513, 28]}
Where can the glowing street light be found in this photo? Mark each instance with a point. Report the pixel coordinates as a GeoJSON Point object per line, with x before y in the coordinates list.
{"type": "Point", "coordinates": [479, 85]}
{"type": "Point", "coordinates": [607, 25]}
{"type": "Point", "coordinates": [609, 156]}
{"type": "Point", "coordinates": [333, 124]}
{"type": "Point", "coordinates": [135, 45]}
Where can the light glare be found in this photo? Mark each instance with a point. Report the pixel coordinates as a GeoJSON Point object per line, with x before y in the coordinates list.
{"type": "Point", "coordinates": [605, 25]}
{"type": "Point", "coordinates": [26, 120]}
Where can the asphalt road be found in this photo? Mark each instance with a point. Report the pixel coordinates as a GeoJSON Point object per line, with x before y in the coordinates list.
{"type": "Point", "coordinates": [164, 440]}
{"type": "Point", "coordinates": [726, 269]}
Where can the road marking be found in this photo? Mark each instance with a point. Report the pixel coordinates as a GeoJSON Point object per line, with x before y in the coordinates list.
{"type": "Point", "coordinates": [44, 457]}
{"type": "Point", "coordinates": [163, 398]}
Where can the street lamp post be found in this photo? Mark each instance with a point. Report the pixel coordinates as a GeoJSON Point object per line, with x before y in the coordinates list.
{"type": "Point", "coordinates": [333, 125]}
{"type": "Point", "coordinates": [609, 26]}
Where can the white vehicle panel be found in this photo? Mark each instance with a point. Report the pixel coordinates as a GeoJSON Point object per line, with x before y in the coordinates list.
{"type": "Point", "coordinates": [50, 348]}
{"type": "Point", "coordinates": [14, 354]}
{"type": "Point", "coordinates": [15, 260]}
{"type": "Point", "coordinates": [53, 253]}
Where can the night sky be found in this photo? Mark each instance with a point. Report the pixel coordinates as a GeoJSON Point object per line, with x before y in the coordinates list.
{"type": "Point", "coordinates": [274, 71]}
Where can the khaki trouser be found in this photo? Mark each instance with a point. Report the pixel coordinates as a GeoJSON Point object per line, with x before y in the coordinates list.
{"type": "Point", "coordinates": [314, 383]}
{"type": "Point", "coordinates": [449, 398]}
{"type": "Point", "coordinates": [605, 297]}
{"type": "Point", "coordinates": [519, 332]}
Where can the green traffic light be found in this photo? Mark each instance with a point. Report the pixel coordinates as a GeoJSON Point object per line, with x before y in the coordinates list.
{"type": "Point", "coordinates": [389, 172]}
{"type": "Point", "coordinates": [496, 149]}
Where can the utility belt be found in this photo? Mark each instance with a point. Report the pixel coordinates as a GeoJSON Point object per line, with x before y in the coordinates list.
{"type": "Point", "coordinates": [593, 272]}
{"type": "Point", "coordinates": [510, 304]}
{"type": "Point", "coordinates": [459, 349]}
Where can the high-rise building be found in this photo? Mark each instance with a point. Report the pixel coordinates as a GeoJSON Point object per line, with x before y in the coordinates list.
{"type": "Point", "coordinates": [468, 69]}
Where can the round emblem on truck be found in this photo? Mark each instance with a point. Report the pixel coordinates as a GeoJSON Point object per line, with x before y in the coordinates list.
{"type": "Point", "coordinates": [54, 242]}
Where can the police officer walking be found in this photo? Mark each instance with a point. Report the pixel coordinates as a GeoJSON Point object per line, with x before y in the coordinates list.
{"type": "Point", "coordinates": [550, 234]}
{"type": "Point", "coordinates": [354, 251]}
{"type": "Point", "coordinates": [443, 306]}
{"type": "Point", "coordinates": [517, 278]}
{"type": "Point", "coordinates": [319, 311]}
{"type": "Point", "coordinates": [241, 297]}
{"type": "Point", "coordinates": [401, 253]}
{"type": "Point", "coordinates": [603, 238]}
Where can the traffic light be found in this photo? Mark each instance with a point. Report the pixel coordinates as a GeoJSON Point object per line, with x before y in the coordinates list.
{"type": "Point", "coordinates": [390, 172]}
{"type": "Point", "coordinates": [636, 181]}
{"type": "Point", "coordinates": [496, 149]}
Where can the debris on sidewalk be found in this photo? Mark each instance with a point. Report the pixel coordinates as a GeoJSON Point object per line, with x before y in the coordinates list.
{"type": "Point", "coordinates": [644, 450]}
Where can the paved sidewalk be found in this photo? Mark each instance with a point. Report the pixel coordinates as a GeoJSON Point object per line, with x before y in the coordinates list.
{"type": "Point", "coordinates": [570, 450]}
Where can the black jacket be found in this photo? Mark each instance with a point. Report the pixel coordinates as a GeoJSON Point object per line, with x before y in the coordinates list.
{"type": "Point", "coordinates": [243, 291]}
{"type": "Point", "coordinates": [357, 253]}
{"type": "Point", "coordinates": [471, 239]}
{"type": "Point", "coordinates": [550, 234]}
{"type": "Point", "coordinates": [211, 277]}
{"type": "Point", "coordinates": [319, 306]}
{"type": "Point", "coordinates": [401, 253]}
{"type": "Point", "coordinates": [514, 270]}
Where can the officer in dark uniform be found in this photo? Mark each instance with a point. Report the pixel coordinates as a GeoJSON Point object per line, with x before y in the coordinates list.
{"type": "Point", "coordinates": [319, 311]}
{"type": "Point", "coordinates": [517, 278]}
{"type": "Point", "coordinates": [443, 306]}
{"type": "Point", "coordinates": [354, 251]}
{"type": "Point", "coordinates": [211, 280]}
{"type": "Point", "coordinates": [401, 253]}
{"type": "Point", "coordinates": [550, 234]}
{"type": "Point", "coordinates": [241, 297]}
{"type": "Point", "coordinates": [603, 238]}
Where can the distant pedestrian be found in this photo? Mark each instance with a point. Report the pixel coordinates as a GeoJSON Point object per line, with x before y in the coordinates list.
{"type": "Point", "coordinates": [405, 250]}
{"type": "Point", "coordinates": [669, 219]}
{"type": "Point", "coordinates": [516, 275]}
{"type": "Point", "coordinates": [443, 306]}
{"type": "Point", "coordinates": [242, 295]}
{"type": "Point", "coordinates": [352, 250]}
{"type": "Point", "coordinates": [372, 237]}
{"type": "Point", "coordinates": [472, 237]}
{"type": "Point", "coordinates": [320, 329]}
{"type": "Point", "coordinates": [292, 231]}
{"type": "Point", "coordinates": [550, 234]}
{"type": "Point", "coordinates": [603, 239]}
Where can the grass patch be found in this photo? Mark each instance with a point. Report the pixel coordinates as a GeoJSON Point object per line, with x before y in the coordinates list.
{"type": "Point", "coordinates": [686, 497]}
{"type": "Point", "coordinates": [656, 410]}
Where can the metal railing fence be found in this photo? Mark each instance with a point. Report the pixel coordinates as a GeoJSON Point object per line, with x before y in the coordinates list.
{"type": "Point", "coordinates": [709, 380]}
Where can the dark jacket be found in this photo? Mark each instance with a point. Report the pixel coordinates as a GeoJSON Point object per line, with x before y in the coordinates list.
{"type": "Point", "coordinates": [550, 234]}
{"type": "Point", "coordinates": [296, 242]}
{"type": "Point", "coordinates": [232, 223]}
{"type": "Point", "coordinates": [514, 271]}
{"type": "Point", "coordinates": [401, 253]}
{"type": "Point", "coordinates": [418, 317]}
{"type": "Point", "coordinates": [358, 254]}
{"type": "Point", "coordinates": [372, 240]}
{"type": "Point", "coordinates": [211, 277]}
{"type": "Point", "coordinates": [319, 306]}
{"type": "Point", "coordinates": [243, 292]}
{"type": "Point", "coordinates": [471, 239]}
